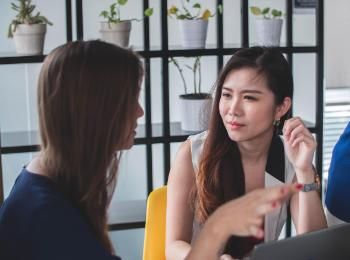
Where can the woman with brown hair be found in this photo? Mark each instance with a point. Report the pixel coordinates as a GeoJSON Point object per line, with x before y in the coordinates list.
{"type": "Point", "coordinates": [88, 107]}
{"type": "Point", "coordinates": [242, 152]}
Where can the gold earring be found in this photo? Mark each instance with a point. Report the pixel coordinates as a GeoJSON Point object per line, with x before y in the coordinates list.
{"type": "Point", "coordinates": [276, 122]}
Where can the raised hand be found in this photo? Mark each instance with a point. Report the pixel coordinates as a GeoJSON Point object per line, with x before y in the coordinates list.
{"type": "Point", "coordinates": [300, 145]}
{"type": "Point", "coordinates": [244, 216]}
{"type": "Point", "coordinates": [241, 217]}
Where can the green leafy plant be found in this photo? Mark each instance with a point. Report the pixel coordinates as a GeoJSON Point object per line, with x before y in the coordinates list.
{"type": "Point", "coordinates": [189, 11]}
{"type": "Point", "coordinates": [266, 13]}
{"type": "Point", "coordinates": [25, 16]}
{"type": "Point", "coordinates": [112, 15]}
{"type": "Point", "coordinates": [196, 70]}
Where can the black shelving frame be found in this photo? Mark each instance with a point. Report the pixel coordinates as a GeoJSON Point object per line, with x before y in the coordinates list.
{"type": "Point", "coordinates": [164, 53]}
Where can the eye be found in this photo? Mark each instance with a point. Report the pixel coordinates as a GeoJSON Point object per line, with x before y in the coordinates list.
{"type": "Point", "coordinates": [251, 98]}
{"type": "Point", "coordinates": [225, 94]}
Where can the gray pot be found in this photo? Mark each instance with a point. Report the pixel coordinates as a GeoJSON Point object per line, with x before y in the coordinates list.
{"type": "Point", "coordinates": [29, 38]}
{"type": "Point", "coordinates": [195, 112]}
{"type": "Point", "coordinates": [116, 33]}
{"type": "Point", "coordinates": [268, 31]}
{"type": "Point", "coordinates": [194, 33]}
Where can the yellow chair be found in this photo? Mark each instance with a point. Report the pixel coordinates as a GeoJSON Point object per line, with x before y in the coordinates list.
{"type": "Point", "coordinates": [154, 243]}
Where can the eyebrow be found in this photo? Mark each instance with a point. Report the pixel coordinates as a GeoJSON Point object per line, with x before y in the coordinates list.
{"type": "Point", "coordinates": [250, 91]}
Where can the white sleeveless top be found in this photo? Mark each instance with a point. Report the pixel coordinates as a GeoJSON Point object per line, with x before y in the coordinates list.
{"type": "Point", "coordinates": [273, 222]}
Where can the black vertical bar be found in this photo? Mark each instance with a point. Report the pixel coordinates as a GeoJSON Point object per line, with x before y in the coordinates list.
{"type": "Point", "coordinates": [165, 85]}
{"type": "Point", "coordinates": [245, 23]}
{"type": "Point", "coordinates": [1, 176]}
{"type": "Point", "coordinates": [79, 14]}
{"type": "Point", "coordinates": [289, 24]}
{"type": "Point", "coordinates": [220, 35]}
{"type": "Point", "coordinates": [319, 84]}
{"type": "Point", "coordinates": [148, 108]}
{"type": "Point", "coordinates": [69, 20]}
{"type": "Point", "coordinates": [289, 28]}
{"type": "Point", "coordinates": [146, 28]}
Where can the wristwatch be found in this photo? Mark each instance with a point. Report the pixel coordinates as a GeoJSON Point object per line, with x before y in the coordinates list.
{"type": "Point", "coordinates": [316, 185]}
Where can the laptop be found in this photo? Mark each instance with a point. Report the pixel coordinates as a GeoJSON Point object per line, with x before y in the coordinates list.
{"type": "Point", "coordinates": [332, 243]}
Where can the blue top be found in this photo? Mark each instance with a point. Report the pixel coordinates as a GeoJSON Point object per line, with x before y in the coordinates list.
{"type": "Point", "coordinates": [37, 222]}
{"type": "Point", "coordinates": [338, 188]}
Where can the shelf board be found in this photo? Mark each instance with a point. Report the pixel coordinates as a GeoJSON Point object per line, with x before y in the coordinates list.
{"type": "Point", "coordinates": [126, 214]}
{"type": "Point", "coordinates": [14, 58]}
{"type": "Point", "coordinates": [156, 52]}
{"type": "Point", "coordinates": [28, 141]}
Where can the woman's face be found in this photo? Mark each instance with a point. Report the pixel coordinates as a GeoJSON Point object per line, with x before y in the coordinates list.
{"type": "Point", "coordinates": [247, 106]}
{"type": "Point", "coordinates": [129, 142]}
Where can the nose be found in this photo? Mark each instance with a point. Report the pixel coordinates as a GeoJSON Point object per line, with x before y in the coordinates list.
{"type": "Point", "coordinates": [140, 111]}
{"type": "Point", "coordinates": [235, 107]}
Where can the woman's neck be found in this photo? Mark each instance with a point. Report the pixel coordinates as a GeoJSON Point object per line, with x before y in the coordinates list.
{"type": "Point", "coordinates": [36, 166]}
{"type": "Point", "coordinates": [256, 149]}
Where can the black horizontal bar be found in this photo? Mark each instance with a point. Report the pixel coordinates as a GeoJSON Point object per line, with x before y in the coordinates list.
{"type": "Point", "coordinates": [169, 53]}
{"type": "Point", "coordinates": [138, 141]}
{"type": "Point", "coordinates": [22, 59]}
{"type": "Point", "coordinates": [123, 226]}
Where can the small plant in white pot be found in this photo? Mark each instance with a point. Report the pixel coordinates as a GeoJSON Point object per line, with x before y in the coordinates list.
{"type": "Point", "coordinates": [195, 105]}
{"type": "Point", "coordinates": [28, 30]}
{"type": "Point", "coordinates": [268, 25]}
{"type": "Point", "coordinates": [193, 23]}
{"type": "Point", "coordinates": [115, 29]}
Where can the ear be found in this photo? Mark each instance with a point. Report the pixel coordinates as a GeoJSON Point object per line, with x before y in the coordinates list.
{"type": "Point", "coordinates": [283, 108]}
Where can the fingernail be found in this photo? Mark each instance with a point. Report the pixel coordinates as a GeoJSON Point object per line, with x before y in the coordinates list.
{"type": "Point", "coordinates": [299, 186]}
{"type": "Point", "coordinates": [274, 204]}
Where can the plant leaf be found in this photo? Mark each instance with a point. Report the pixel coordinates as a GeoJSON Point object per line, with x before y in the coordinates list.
{"type": "Point", "coordinates": [148, 12]}
{"type": "Point", "coordinates": [172, 10]}
{"type": "Point", "coordinates": [220, 9]}
{"type": "Point", "coordinates": [266, 10]}
{"type": "Point", "coordinates": [197, 5]}
{"type": "Point", "coordinates": [255, 10]}
{"type": "Point", "coordinates": [206, 14]}
{"type": "Point", "coordinates": [122, 2]}
{"type": "Point", "coordinates": [276, 13]}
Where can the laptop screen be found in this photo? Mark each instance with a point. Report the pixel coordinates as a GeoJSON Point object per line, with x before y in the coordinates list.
{"type": "Point", "coordinates": [328, 244]}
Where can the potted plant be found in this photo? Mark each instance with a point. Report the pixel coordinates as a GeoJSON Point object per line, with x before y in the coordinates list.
{"type": "Point", "coordinates": [116, 30]}
{"type": "Point", "coordinates": [27, 29]}
{"type": "Point", "coordinates": [193, 23]}
{"type": "Point", "coordinates": [195, 105]}
{"type": "Point", "coordinates": [268, 25]}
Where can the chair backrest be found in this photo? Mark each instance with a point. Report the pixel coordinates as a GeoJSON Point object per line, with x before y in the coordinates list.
{"type": "Point", "coordinates": [154, 243]}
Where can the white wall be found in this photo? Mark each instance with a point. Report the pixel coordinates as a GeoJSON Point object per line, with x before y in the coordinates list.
{"type": "Point", "coordinates": [337, 43]}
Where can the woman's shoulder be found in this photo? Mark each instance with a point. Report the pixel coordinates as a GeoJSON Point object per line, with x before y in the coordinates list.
{"type": "Point", "coordinates": [200, 137]}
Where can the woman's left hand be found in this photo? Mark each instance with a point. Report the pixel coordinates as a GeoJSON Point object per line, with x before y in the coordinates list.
{"type": "Point", "coordinates": [300, 145]}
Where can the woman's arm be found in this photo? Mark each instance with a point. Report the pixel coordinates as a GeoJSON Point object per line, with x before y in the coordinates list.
{"type": "Point", "coordinates": [179, 215]}
{"type": "Point", "coordinates": [241, 217]}
{"type": "Point", "coordinates": [306, 207]}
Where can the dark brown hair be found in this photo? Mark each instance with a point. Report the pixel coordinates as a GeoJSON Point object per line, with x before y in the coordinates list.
{"type": "Point", "coordinates": [220, 177]}
{"type": "Point", "coordinates": [87, 92]}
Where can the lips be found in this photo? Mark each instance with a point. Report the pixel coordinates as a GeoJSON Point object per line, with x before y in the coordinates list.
{"type": "Point", "coordinates": [235, 125]}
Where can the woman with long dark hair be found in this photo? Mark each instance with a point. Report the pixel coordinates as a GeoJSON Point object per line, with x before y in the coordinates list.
{"type": "Point", "coordinates": [241, 152]}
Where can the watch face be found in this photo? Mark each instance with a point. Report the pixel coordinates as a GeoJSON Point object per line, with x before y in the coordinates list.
{"type": "Point", "coordinates": [310, 187]}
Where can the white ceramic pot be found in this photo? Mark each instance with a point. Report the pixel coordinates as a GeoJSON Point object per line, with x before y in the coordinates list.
{"type": "Point", "coordinates": [268, 31]}
{"type": "Point", "coordinates": [29, 38]}
{"type": "Point", "coordinates": [194, 33]}
{"type": "Point", "coordinates": [195, 112]}
{"type": "Point", "coordinates": [116, 33]}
